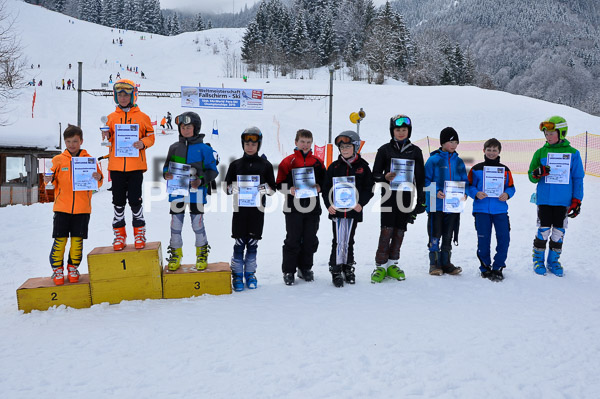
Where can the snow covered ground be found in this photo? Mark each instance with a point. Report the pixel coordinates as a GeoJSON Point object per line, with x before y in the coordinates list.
{"type": "Point", "coordinates": [447, 337]}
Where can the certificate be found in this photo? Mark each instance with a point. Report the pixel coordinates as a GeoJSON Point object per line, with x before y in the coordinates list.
{"type": "Point", "coordinates": [405, 173]}
{"type": "Point", "coordinates": [180, 183]}
{"type": "Point", "coordinates": [83, 168]}
{"type": "Point", "coordinates": [344, 192]}
{"type": "Point", "coordinates": [560, 168]}
{"type": "Point", "coordinates": [248, 190]}
{"type": "Point", "coordinates": [493, 181]}
{"type": "Point", "coordinates": [305, 183]}
{"type": "Point", "coordinates": [454, 196]}
{"type": "Point", "coordinates": [125, 136]}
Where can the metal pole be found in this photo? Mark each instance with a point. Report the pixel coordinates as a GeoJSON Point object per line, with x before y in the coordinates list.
{"type": "Point", "coordinates": [331, 70]}
{"type": "Point", "coordinates": [79, 75]}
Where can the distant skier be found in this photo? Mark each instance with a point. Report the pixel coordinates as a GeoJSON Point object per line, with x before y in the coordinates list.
{"type": "Point", "coordinates": [169, 126]}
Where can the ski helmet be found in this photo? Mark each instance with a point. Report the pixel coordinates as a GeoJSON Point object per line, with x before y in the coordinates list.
{"type": "Point", "coordinates": [555, 123]}
{"type": "Point", "coordinates": [127, 86]}
{"type": "Point", "coordinates": [348, 137]}
{"type": "Point", "coordinates": [189, 118]}
{"type": "Point", "coordinates": [252, 134]}
{"type": "Point", "coordinates": [400, 121]}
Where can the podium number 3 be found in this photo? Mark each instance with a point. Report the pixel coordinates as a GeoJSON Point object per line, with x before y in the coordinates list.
{"type": "Point", "coordinates": [124, 265]}
{"type": "Point", "coordinates": [197, 285]}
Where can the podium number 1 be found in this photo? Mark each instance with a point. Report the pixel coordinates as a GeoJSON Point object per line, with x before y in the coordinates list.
{"type": "Point", "coordinates": [124, 265]}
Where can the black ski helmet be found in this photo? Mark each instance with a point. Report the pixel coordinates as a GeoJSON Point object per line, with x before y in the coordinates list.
{"type": "Point", "coordinates": [352, 135]}
{"type": "Point", "coordinates": [403, 120]}
{"type": "Point", "coordinates": [189, 118]}
{"type": "Point", "coordinates": [252, 130]}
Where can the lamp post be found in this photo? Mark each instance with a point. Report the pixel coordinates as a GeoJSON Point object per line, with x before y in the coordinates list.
{"type": "Point", "coordinates": [331, 71]}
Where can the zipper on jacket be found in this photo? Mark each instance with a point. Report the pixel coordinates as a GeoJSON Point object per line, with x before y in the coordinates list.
{"type": "Point", "coordinates": [125, 158]}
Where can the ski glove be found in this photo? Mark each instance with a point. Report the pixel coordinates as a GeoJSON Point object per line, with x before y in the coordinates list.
{"type": "Point", "coordinates": [265, 189]}
{"type": "Point", "coordinates": [575, 208]}
{"type": "Point", "coordinates": [232, 189]}
{"type": "Point", "coordinates": [543, 170]}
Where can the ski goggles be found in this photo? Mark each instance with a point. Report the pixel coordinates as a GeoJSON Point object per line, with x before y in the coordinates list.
{"type": "Point", "coordinates": [123, 88]}
{"type": "Point", "coordinates": [183, 119]}
{"type": "Point", "coordinates": [250, 137]}
{"type": "Point", "coordinates": [342, 140]}
{"type": "Point", "coordinates": [402, 120]}
{"type": "Point", "coordinates": [551, 126]}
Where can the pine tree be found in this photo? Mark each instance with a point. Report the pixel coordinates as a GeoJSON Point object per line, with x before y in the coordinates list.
{"type": "Point", "coordinates": [200, 23]}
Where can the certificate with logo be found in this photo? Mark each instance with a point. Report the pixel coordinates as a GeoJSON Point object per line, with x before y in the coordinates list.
{"type": "Point", "coordinates": [248, 190]}
{"type": "Point", "coordinates": [493, 181]}
{"type": "Point", "coordinates": [125, 136]}
{"type": "Point", "coordinates": [454, 196]}
{"type": "Point", "coordinates": [180, 183]}
{"type": "Point", "coordinates": [560, 168]}
{"type": "Point", "coordinates": [344, 192]}
{"type": "Point", "coordinates": [83, 168]}
{"type": "Point", "coordinates": [305, 183]}
{"type": "Point", "coordinates": [405, 173]}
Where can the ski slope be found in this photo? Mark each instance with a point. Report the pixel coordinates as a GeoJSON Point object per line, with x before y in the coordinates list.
{"type": "Point", "coordinates": [430, 337]}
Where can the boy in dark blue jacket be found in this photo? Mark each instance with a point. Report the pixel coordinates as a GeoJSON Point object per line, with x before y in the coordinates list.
{"type": "Point", "coordinates": [444, 165]}
{"type": "Point", "coordinates": [491, 185]}
{"type": "Point", "coordinates": [190, 150]}
{"type": "Point", "coordinates": [557, 170]}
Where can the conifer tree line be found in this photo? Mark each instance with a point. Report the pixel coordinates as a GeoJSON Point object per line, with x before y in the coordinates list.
{"type": "Point", "coordinates": [372, 43]}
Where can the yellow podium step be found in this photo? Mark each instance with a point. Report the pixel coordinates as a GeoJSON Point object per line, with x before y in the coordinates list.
{"type": "Point", "coordinates": [125, 275]}
{"type": "Point", "coordinates": [40, 293]}
{"type": "Point", "coordinates": [187, 281]}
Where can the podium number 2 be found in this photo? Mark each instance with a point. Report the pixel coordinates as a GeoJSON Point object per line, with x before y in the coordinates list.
{"type": "Point", "coordinates": [53, 296]}
{"type": "Point", "coordinates": [124, 266]}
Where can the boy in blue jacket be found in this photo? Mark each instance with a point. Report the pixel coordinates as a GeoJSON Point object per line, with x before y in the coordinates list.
{"type": "Point", "coordinates": [443, 165]}
{"type": "Point", "coordinates": [190, 150]}
{"type": "Point", "coordinates": [491, 185]}
{"type": "Point", "coordinates": [557, 170]}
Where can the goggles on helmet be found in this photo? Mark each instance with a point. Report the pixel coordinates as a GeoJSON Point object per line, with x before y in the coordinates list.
{"type": "Point", "coordinates": [342, 139]}
{"type": "Point", "coordinates": [183, 119]}
{"type": "Point", "coordinates": [250, 137]}
{"type": "Point", "coordinates": [123, 88]}
{"type": "Point", "coordinates": [551, 126]}
{"type": "Point", "coordinates": [402, 120]}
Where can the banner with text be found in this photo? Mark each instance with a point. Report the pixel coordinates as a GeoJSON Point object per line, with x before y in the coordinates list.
{"type": "Point", "coordinates": [223, 98]}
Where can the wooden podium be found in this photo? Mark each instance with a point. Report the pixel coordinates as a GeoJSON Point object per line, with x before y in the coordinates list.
{"type": "Point", "coordinates": [40, 293]}
{"type": "Point", "coordinates": [186, 281]}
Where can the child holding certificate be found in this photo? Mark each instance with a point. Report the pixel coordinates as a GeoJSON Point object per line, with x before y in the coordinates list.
{"type": "Point", "coordinates": [447, 172]}
{"type": "Point", "coordinates": [347, 189]}
{"type": "Point", "coordinates": [490, 186]}
{"type": "Point", "coordinates": [399, 166]}
{"type": "Point", "coordinates": [72, 206]}
{"type": "Point", "coordinates": [300, 177]}
{"type": "Point", "coordinates": [557, 170]}
{"type": "Point", "coordinates": [130, 133]}
{"type": "Point", "coordinates": [249, 178]}
{"type": "Point", "coordinates": [189, 169]}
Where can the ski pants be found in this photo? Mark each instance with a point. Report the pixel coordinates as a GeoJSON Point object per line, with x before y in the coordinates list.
{"type": "Point", "coordinates": [342, 245]}
{"type": "Point", "coordinates": [552, 223]}
{"type": "Point", "coordinates": [197, 226]}
{"type": "Point", "coordinates": [127, 186]}
{"type": "Point", "coordinates": [300, 242]}
{"type": "Point", "coordinates": [390, 241]}
{"type": "Point", "coordinates": [483, 225]}
{"type": "Point", "coordinates": [247, 264]}
{"type": "Point", "coordinates": [440, 227]}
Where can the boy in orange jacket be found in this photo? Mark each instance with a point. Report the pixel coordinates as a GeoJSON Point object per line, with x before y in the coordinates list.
{"type": "Point", "coordinates": [71, 208]}
{"type": "Point", "coordinates": [130, 133]}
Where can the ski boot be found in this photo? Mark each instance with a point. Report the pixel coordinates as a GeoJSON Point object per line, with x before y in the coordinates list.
{"type": "Point", "coordinates": [73, 274]}
{"type": "Point", "coordinates": [486, 271]}
{"type": "Point", "coordinates": [497, 275]}
{"type": "Point", "coordinates": [538, 261]}
{"type": "Point", "coordinates": [395, 272]}
{"type": "Point", "coordinates": [336, 275]}
{"type": "Point", "coordinates": [174, 259]}
{"type": "Point", "coordinates": [140, 237]}
{"type": "Point", "coordinates": [448, 267]}
{"type": "Point", "coordinates": [120, 236]}
{"type": "Point", "coordinates": [434, 268]}
{"type": "Point", "coordinates": [378, 274]}
{"type": "Point", "coordinates": [288, 278]}
{"type": "Point", "coordinates": [349, 276]}
{"type": "Point", "coordinates": [251, 281]}
{"type": "Point", "coordinates": [554, 265]}
{"type": "Point", "coordinates": [202, 256]}
{"type": "Point", "coordinates": [238, 281]}
{"type": "Point", "coordinates": [306, 275]}
{"type": "Point", "coordinates": [58, 276]}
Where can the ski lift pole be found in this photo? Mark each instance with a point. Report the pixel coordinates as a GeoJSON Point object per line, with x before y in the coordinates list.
{"type": "Point", "coordinates": [79, 75]}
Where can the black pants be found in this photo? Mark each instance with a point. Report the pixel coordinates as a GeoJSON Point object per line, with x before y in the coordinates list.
{"type": "Point", "coordinates": [342, 245]}
{"type": "Point", "coordinates": [74, 225]}
{"type": "Point", "coordinates": [552, 216]}
{"type": "Point", "coordinates": [127, 186]}
{"type": "Point", "coordinates": [301, 241]}
{"type": "Point", "coordinates": [440, 227]}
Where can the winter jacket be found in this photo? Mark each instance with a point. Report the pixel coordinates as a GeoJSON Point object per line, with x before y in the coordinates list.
{"type": "Point", "coordinates": [440, 167]}
{"type": "Point", "coordinates": [383, 164]}
{"type": "Point", "coordinates": [357, 167]}
{"type": "Point", "coordinates": [558, 194]}
{"type": "Point", "coordinates": [249, 221]}
{"type": "Point", "coordinates": [488, 204]}
{"type": "Point", "coordinates": [285, 176]}
{"type": "Point", "coordinates": [146, 134]}
{"type": "Point", "coordinates": [65, 199]}
{"type": "Point", "coordinates": [192, 151]}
